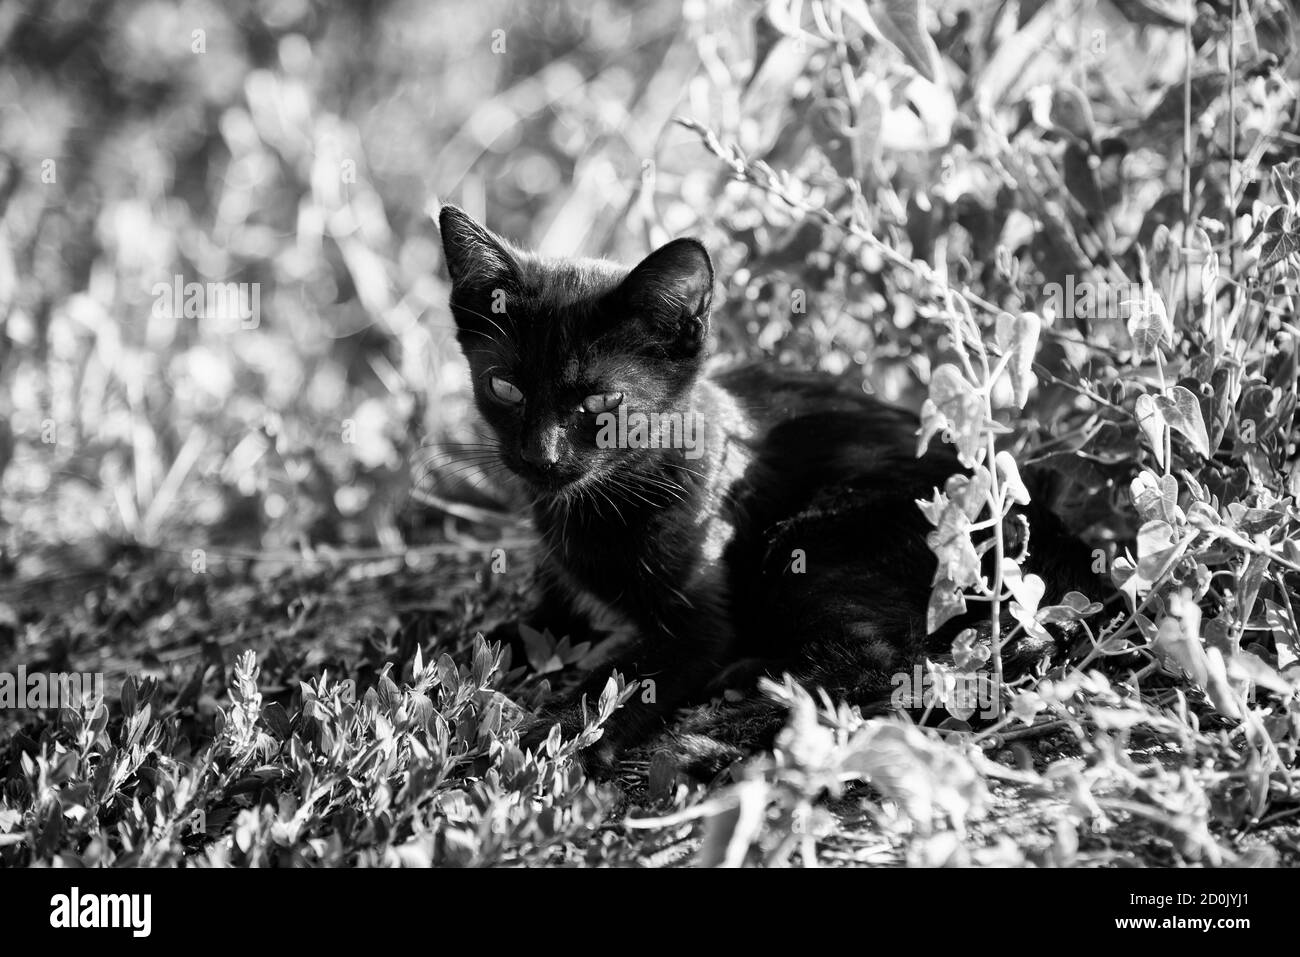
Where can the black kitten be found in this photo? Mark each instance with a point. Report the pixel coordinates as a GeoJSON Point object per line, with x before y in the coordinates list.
{"type": "Point", "coordinates": [759, 518]}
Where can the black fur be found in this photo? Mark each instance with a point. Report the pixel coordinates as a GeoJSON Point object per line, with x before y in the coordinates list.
{"type": "Point", "coordinates": [696, 556]}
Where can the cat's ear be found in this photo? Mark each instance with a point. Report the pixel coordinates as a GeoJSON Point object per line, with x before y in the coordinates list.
{"type": "Point", "coordinates": [673, 289]}
{"type": "Point", "coordinates": [476, 259]}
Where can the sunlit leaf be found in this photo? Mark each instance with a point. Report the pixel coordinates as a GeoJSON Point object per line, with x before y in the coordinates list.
{"type": "Point", "coordinates": [955, 408]}
{"type": "Point", "coordinates": [1148, 324]}
{"type": "Point", "coordinates": [1182, 411]}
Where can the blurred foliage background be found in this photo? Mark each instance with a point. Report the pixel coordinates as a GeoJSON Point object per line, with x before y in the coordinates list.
{"type": "Point", "coordinates": [300, 147]}
{"type": "Point", "coordinates": [886, 188]}
{"type": "Point", "coordinates": [303, 146]}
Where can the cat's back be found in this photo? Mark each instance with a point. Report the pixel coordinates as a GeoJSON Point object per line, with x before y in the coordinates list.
{"type": "Point", "coordinates": [816, 428]}
{"type": "Point", "coordinates": [779, 392]}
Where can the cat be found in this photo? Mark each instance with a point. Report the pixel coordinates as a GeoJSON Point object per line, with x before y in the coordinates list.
{"type": "Point", "coordinates": [757, 521]}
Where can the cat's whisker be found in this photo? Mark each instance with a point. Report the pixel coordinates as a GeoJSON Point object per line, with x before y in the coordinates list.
{"type": "Point", "coordinates": [432, 465]}
{"type": "Point", "coordinates": [505, 336]}
{"type": "Point", "coordinates": [453, 475]}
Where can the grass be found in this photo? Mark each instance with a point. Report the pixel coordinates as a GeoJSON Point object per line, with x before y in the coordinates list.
{"type": "Point", "coordinates": [345, 713]}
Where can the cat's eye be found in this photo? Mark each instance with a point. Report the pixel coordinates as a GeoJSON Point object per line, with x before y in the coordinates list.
{"type": "Point", "coordinates": [602, 402]}
{"type": "Point", "coordinates": [504, 391]}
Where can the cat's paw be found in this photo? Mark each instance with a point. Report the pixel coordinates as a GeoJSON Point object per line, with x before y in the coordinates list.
{"type": "Point", "coordinates": [599, 760]}
{"type": "Point", "coordinates": [534, 731]}
{"type": "Point", "coordinates": [702, 758]}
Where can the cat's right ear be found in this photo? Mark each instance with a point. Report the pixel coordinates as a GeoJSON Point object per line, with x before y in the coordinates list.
{"type": "Point", "coordinates": [476, 259]}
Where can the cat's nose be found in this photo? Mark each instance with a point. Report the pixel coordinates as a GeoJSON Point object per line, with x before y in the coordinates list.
{"type": "Point", "coordinates": [542, 449]}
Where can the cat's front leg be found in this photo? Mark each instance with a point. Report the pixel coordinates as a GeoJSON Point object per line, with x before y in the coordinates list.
{"type": "Point", "coordinates": [671, 659]}
{"type": "Point", "coordinates": [552, 612]}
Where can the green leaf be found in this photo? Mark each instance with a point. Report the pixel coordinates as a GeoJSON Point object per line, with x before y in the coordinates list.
{"type": "Point", "coordinates": [1154, 538]}
{"type": "Point", "coordinates": [1148, 324]}
{"type": "Point", "coordinates": [1012, 484]}
{"type": "Point", "coordinates": [1018, 335]}
{"type": "Point", "coordinates": [733, 829]}
{"type": "Point", "coordinates": [1152, 424]}
{"type": "Point", "coordinates": [1161, 13]}
{"type": "Point", "coordinates": [1182, 410]}
{"type": "Point", "coordinates": [950, 541]}
{"type": "Point", "coordinates": [1071, 111]}
{"type": "Point", "coordinates": [1028, 591]}
{"type": "Point", "coordinates": [902, 25]}
{"type": "Point", "coordinates": [1286, 180]}
{"type": "Point", "coordinates": [946, 602]}
{"type": "Point", "coordinates": [608, 698]}
{"type": "Point", "coordinates": [1073, 606]}
{"type": "Point", "coordinates": [539, 646]}
{"type": "Point", "coordinates": [1156, 496]}
{"type": "Point", "coordinates": [1248, 666]}
{"type": "Point", "coordinates": [956, 407]}
{"type": "Point", "coordinates": [663, 775]}
{"type": "Point", "coordinates": [1278, 247]}
{"type": "Point", "coordinates": [967, 652]}
{"type": "Point", "coordinates": [276, 720]}
{"type": "Point", "coordinates": [130, 688]}
{"type": "Point", "coordinates": [1209, 270]}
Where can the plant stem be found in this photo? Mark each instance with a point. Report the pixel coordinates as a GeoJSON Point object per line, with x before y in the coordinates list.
{"type": "Point", "coordinates": [995, 603]}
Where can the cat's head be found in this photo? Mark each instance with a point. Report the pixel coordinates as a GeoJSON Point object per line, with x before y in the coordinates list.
{"type": "Point", "coordinates": [554, 343]}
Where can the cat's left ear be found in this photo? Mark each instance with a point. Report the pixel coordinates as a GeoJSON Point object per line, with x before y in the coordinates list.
{"type": "Point", "coordinates": [673, 289]}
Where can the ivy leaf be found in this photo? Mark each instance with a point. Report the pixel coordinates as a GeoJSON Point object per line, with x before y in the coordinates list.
{"type": "Point", "coordinates": [1152, 424]}
{"type": "Point", "coordinates": [1154, 538]}
{"type": "Point", "coordinates": [953, 405]}
{"type": "Point", "coordinates": [1157, 548]}
{"type": "Point", "coordinates": [946, 602]}
{"type": "Point", "coordinates": [1018, 335]}
{"type": "Point", "coordinates": [1156, 497]}
{"type": "Point", "coordinates": [1026, 706]}
{"type": "Point", "coordinates": [1148, 325]}
{"type": "Point", "coordinates": [1278, 246]}
{"type": "Point", "coordinates": [1182, 410]}
{"type": "Point", "coordinates": [1073, 606]}
{"type": "Point", "coordinates": [1181, 651]}
{"type": "Point", "coordinates": [1286, 180]}
{"type": "Point", "coordinates": [967, 652]}
{"type": "Point", "coordinates": [1011, 481]}
{"type": "Point", "coordinates": [959, 563]}
{"type": "Point", "coordinates": [962, 500]}
{"type": "Point", "coordinates": [1028, 591]}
